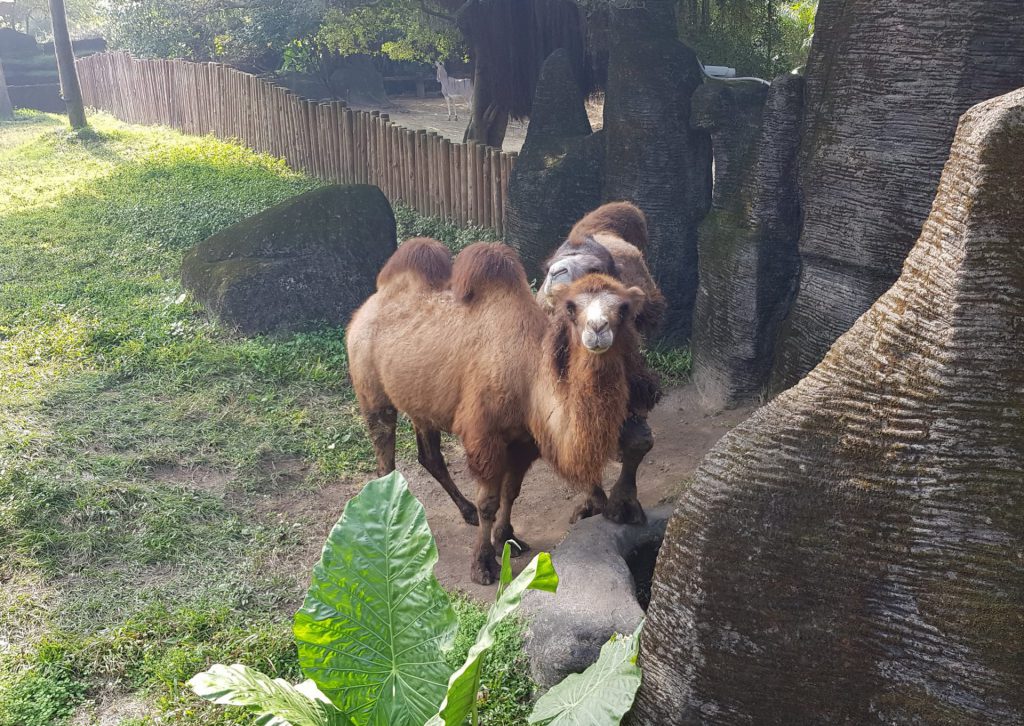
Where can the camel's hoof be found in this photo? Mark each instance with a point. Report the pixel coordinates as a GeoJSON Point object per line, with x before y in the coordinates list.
{"type": "Point", "coordinates": [589, 508]}
{"type": "Point", "coordinates": [470, 516]}
{"type": "Point", "coordinates": [485, 571]}
{"type": "Point", "coordinates": [625, 511]}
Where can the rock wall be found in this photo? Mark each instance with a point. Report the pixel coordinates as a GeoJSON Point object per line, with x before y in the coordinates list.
{"type": "Point", "coordinates": [654, 158]}
{"type": "Point", "coordinates": [886, 82]}
{"type": "Point", "coordinates": [560, 170]}
{"type": "Point", "coordinates": [749, 264]}
{"type": "Point", "coordinates": [854, 552]}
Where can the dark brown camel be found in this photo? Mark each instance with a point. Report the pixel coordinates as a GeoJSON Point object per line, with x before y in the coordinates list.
{"type": "Point", "coordinates": [610, 240]}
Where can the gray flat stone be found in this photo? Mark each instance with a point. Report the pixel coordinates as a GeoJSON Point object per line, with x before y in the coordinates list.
{"type": "Point", "coordinates": [596, 595]}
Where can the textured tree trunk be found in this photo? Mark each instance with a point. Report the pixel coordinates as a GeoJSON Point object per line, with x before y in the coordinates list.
{"type": "Point", "coordinates": [488, 123]}
{"type": "Point", "coordinates": [853, 552]}
{"type": "Point", "coordinates": [654, 158]}
{"type": "Point", "coordinates": [886, 82]}
{"type": "Point", "coordinates": [69, 87]}
{"type": "Point", "coordinates": [6, 109]}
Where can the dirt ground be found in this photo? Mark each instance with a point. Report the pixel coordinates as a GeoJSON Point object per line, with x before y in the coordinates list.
{"type": "Point", "coordinates": [431, 114]}
{"type": "Point", "coordinates": [683, 434]}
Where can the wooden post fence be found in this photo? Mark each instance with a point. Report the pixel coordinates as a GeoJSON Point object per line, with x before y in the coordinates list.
{"type": "Point", "coordinates": [463, 183]}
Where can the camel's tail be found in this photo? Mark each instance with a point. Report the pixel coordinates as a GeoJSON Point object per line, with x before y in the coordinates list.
{"type": "Point", "coordinates": [424, 257]}
{"type": "Point", "coordinates": [487, 266]}
{"type": "Point", "coordinates": [622, 219]}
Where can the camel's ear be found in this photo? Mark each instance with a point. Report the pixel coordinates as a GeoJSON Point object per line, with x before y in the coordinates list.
{"type": "Point", "coordinates": [558, 291]}
{"type": "Point", "coordinates": [638, 297]}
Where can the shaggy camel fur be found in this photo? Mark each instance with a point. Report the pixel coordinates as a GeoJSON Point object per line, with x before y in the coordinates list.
{"type": "Point", "coordinates": [610, 240]}
{"type": "Point", "coordinates": [479, 358]}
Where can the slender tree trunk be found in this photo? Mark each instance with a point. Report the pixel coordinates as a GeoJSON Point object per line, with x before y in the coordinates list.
{"type": "Point", "coordinates": [69, 87]}
{"type": "Point", "coordinates": [488, 124]}
{"type": "Point", "coordinates": [6, 109]}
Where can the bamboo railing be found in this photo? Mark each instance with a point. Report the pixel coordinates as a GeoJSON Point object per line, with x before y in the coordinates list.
{"type": "Point", "coordinates": [464, 183]}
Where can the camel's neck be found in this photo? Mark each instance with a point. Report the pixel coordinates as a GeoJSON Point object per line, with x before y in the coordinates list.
{"type": "Point", "coordinates": [581, 407]}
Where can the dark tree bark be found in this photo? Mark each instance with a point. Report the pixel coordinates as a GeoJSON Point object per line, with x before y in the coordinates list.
{"type": "Point", "coordinates": [69, 87]}
{"type": "Point", "coordinates": [654, 158]}
{"type": "Point", "coordinates": [489, 121]}
{"type": "Point", "coordinates": [852, 553]}
{"type": "Point", "coordinates": [510, 40]}
{"type": "Point", "coordinates": [560, 170]}
{"type": "Point", "coordinates": [886, 82]}
{"type": "Point", "coordinates": [6, 110]}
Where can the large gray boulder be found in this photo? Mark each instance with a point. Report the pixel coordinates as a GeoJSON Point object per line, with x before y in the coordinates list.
{"type": "Point", "coordinates": [598, 567]}
{"type": "Point", "coordinates": [854, 552]}
{"type": "Point", "coordinates": [560, 170]}
{"type": "Point", "coordinates": [310, 260]}
{"type": "Point", "coordinates": [886, 82]}
{"type": "Point", "coordinates": [749, 265]}
{"type": "Point", "coordinates": [654, 158]}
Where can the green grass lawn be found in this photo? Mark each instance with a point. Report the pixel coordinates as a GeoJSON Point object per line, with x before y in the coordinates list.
{"type": "Point", "coordinates": [119, 577]}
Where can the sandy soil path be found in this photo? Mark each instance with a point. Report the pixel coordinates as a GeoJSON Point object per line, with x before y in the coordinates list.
{"type": "Point", "coordinates": [683, 434]}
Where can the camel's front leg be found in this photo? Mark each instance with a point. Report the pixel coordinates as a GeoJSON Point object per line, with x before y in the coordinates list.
{"type": "Point", "coordinates": [448, 101]}
{"type": "Point", "coordinates": [635, 441]}
{"type": "Point", "coordinates": [521, 457]}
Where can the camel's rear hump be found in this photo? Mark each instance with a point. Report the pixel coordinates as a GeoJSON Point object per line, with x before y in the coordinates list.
{"type": "Point", "coordinates": [425, 258]}
{"type": "Point", "coordinates": [487, 266]}
{"type": "Point", "coordinates": [621, 219]}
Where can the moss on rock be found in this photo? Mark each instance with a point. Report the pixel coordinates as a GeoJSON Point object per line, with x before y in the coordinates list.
{"type": "Point", "coordinates": [310, 260]}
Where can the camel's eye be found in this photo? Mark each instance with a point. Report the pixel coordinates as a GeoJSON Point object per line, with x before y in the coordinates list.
{"type": "Point", "coordinates": [592, 270]}
{"type": "Point", "coordinates": [570, 307]}
{"type": "Point", "coordinates": [624, 310]}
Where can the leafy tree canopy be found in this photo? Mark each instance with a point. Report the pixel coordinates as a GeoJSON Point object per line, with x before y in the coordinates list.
{"type": "Point", "coordinates": [396, 29]}
{"type": "Point", "coordinates": [245, 32]}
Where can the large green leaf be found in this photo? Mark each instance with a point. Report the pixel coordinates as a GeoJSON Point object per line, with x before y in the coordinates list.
{"type": "Point", "coordinates": [277, 702]}
{"type": "Point", "coordinates": [599, 696]}
{"type": "Point", "coordinates": [465, 682]}
{"type": "Point", "coordinates": [375, 623]}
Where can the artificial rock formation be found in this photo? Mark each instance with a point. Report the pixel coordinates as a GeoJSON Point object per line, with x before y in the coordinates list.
{"type": "Point", "coordinates": [311, 259]}
{"type": "Point", "coordinates": [560, 170]}
{"type": "Point", "coordinates": [886, 82]}
{"type": "Point", "coordinates": [597, 563]}
{"type": "Point", "coordinates": [653, 157]}
{"type": "Point", "coordinates": [854, 552]}
{"type": "Point", "coordinates": [749, 264]}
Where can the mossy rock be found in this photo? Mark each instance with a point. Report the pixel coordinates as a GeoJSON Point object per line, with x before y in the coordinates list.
{"type": "Point", "coordinates": [310, 260]}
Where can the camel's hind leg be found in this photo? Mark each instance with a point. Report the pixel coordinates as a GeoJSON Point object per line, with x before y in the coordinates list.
{"type": "Point", "coordinates": [521, 456]}
{"type": "Point", "coordinates": [487, 457]}
{"type": "Point", "coordinates": [428, 445]}
{"type": "Point", "coordinates": [381, 421]}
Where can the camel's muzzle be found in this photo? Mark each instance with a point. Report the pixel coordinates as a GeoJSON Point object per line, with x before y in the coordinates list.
{"type": "Point", "coordinates": [597, 341]}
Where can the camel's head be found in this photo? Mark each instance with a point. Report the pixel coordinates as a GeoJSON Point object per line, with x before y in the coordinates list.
{"type": "Point", "coordinates": [572, 261]}
{"type": "Point", "coordinates": [600, 308]}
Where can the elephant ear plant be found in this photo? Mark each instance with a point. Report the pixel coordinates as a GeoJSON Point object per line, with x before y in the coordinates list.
{"type": "Point", "coordinates": [375, 626]}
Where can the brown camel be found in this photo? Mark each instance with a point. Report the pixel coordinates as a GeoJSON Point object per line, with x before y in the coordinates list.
{"type": "Point", "coordinates": [610, 240]}
{"type": "Point", "coordinates": [478, 357]}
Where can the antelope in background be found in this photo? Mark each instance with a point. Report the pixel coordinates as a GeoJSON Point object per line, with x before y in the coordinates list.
{"type": "Point", "coordinates": [454, 90]}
